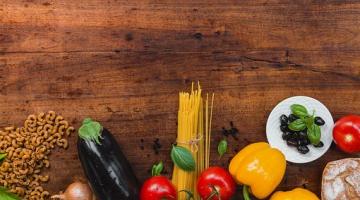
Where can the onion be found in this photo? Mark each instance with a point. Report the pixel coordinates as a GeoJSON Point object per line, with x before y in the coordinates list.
{"type": "Point", "coordinates": [76, 191]}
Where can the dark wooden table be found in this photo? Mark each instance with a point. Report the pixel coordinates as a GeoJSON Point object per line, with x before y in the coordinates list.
{"type": "Point", "coordinates": [124, 62]}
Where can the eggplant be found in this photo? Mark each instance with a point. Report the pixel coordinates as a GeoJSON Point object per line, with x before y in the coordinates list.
{"type": "Point", "coordinates": [106, 168]}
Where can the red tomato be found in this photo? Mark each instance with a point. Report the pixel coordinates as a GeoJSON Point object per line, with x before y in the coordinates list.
{"type": "Point", "coordinates": [158, 188]}
{"type": "Point", "coordinates": [216, 180]}
{"type": "Point", "coordinates": [346, 133]}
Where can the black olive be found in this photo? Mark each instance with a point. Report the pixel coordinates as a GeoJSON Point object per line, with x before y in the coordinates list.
{"type": "Point", "coordinates": [321, 144]}
{"type": "Point", "coordinates": [303, 149]}
{"type": "Point", "coordinates": [292, 117]}
{"type": "Point", "coordinates": [284, 128]}
{"type": "Point", "coordinates": [286, 135]}
{"type": "Point", "coordinates": [291, 131]}
{"type": "Point", "coordinates": [292, 142]}
{"type": "Point", "coordinates": [295, 135]}
{"type": "Point", "coordinates": [319, 121]}
{"type": "Point", "coordinates": [283, 120]}
{"type": "Point", "coordinates": [307, 141]}
{"type": "Point", "coordinates": [303, 134]}
{"type": "Point", "coordinates": [303, 142]}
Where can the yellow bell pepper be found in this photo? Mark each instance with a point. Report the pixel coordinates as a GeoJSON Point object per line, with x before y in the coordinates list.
{"type": "Point", "coordinates": [260, 167]}
{"type": "Point", "coordinates": [295, 194]}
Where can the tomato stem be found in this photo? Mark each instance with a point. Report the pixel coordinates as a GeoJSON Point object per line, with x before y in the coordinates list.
{"type": "Point", "coordinates": [189, 195]}
{"type": "Point", "coordinates": [157, 169]}
{"type": "Point", "coordinates": [246, 193]}
{"type": "Point", "coordinates": [215, 192]}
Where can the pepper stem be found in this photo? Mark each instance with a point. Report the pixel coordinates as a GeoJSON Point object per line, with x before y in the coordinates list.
{"type": "Point", "coordinates": [246, 193]}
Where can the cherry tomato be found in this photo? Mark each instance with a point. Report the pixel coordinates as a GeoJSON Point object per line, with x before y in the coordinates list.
{"type": "Point", "coordinates": [216, 183]}
{"type": "Point", "coordinates": [346, 133]}
{"type": "Point", "coordinates": [158, 188]}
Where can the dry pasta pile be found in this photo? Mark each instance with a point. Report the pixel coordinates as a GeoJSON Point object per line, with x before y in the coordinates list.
{"type": "Point", "coordinates": [27, 149]}
{"type": "Point", "coordinates": [194, 126]}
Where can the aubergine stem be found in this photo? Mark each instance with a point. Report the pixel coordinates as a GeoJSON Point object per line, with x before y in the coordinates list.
{"type": "Point", "coordinates": [90, 130]}
{"type": "Point", "coordinates": [246, 193]}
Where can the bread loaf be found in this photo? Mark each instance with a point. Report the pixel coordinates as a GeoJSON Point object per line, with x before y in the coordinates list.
{"type": "Point", "coordinates": [341, 180]}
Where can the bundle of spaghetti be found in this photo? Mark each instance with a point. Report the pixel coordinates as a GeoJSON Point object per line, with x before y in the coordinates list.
{"type": "Point", "coordinates": [194, 127]}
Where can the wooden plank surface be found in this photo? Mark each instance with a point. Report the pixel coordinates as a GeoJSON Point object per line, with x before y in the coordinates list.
{"type": "Point", "coordinates": [123, 63]}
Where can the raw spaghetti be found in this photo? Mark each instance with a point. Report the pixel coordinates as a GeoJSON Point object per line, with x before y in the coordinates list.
{"type": "Point", "coordinates": [194, 131]}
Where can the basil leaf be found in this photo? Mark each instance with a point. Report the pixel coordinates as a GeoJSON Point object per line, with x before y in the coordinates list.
{"type": "Point", "coordinates": [222, 147]}
{"type": "Point", "coordinates": [157, 169]}
{"type": "Point", "coordinates": [2, 156]}
{"type": "Point", "coordinates": [299, 110]}
{"type": "Point", "coordinates": [182, 158]}
{"type": "Point", "coordinates": [6, 195]}
{"type": "Point", "coordinates": [309, 121]}
{"type": "Point", "coordinates": [314, 134]}
{"type": "Point", "coordinates": [297, 125]}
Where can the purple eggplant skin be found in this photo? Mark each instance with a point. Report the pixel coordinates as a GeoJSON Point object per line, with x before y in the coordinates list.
{"type": "Point", "coordinates": [106, 168]}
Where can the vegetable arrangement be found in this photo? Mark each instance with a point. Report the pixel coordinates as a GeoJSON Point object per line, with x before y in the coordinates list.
{"type": "Point", "coordinates": [258, 167]}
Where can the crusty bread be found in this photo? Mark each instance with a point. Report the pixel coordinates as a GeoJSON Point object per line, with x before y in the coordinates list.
{"type": "Point", "coordinates": [341, 180]}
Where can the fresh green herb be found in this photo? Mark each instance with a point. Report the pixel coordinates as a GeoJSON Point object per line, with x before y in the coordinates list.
{"type": "Point", "coordinates": [189, 195]}
{"type": "Point", "coordinates": [222, 147]}
{"type": "Point", "coordinates": [2, 156]}
{"type": "Point", "coordinates": [314, 134]}
{"type": "Point", "coordinates": [182, 158]}
{"type": "Point", "coordinates": [157, 169]}
{"type": "Point", "coordinates": [309, 121]}
{"type": "Point", "coordinates": [297, 125]}
{"type": "Point", "coordinates": [6, 195]}
{"type": "Point", "coordinates": [90, 130]}
{"type": "Point", "coordinates": [306, 121]}
{"type": "Point", "coordinates": [299, 110]}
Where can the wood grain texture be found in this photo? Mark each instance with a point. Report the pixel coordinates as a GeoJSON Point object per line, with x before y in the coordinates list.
{"type": "Point", "coordinates": [124, 62]}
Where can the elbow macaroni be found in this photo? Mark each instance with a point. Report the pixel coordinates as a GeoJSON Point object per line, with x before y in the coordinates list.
{"type": "Point", "coordinates": [27, 150]}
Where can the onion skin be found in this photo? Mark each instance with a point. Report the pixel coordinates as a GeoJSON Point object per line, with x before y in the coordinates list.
{"type": "Point", "coordinates": [76, 191]}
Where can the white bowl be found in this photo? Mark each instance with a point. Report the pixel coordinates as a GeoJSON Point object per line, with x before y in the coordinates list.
{"type": "Point", "coordinates": [273, 132]}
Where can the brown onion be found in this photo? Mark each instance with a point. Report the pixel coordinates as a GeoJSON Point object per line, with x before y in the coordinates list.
{"type": "Point", "coordinates": [76, 191]}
